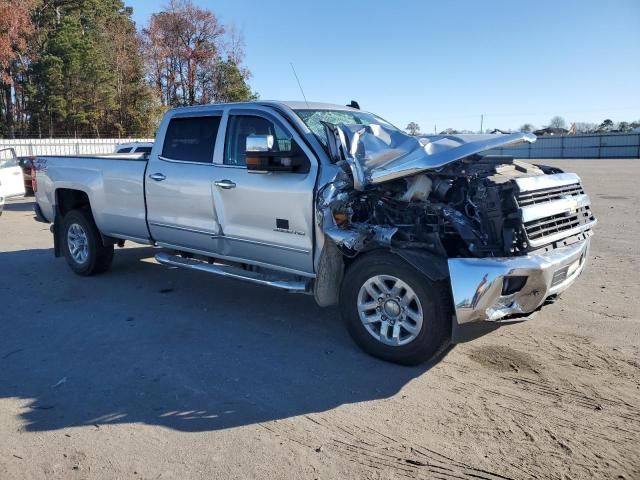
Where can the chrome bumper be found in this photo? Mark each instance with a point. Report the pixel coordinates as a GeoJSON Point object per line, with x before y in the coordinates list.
{"type": "Point", "coordinates": [481, 286]}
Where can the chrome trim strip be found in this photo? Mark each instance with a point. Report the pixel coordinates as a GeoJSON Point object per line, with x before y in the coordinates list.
{"type": "Point", "coordinates": [184, 229]}
{"type": "Point", "coordinates": [299, 286]}
{"type": "Point", "coordinates": [554, 207]}
{"type": "Point", "coordinates": [564, 234]}
{"type": "Point", "coordinates": [236, 259]}
{"type": "Point", "coordinates": [171, 160]}
{"type": "Point", "coordinates": [224, 165]}
{"type": "Point", "coordinates": [262, 244]}
{"type": "Point", "coordinates": [540, 182]}
{"type": "Point", "coordinates": [219, 236]}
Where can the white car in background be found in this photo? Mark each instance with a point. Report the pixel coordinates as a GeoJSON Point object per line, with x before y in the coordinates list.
{"type": "Point", "coordinates": [11, 180]}
{"type": "Point", "coordinates": [134, 147]}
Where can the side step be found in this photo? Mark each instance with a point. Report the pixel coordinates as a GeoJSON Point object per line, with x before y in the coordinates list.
{"type": "Point", "coordinates": [299, 286]}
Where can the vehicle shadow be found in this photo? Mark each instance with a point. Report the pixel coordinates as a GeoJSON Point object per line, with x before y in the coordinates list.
{"type": "Point", "coordinates": [185, 350]}
{"type": "Point", "coordinates": [23, 205]}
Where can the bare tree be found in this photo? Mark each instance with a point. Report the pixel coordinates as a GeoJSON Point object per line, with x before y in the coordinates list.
{"type": "Point", "coordinates": [413, 128]}
{"type": "Point", "coordinates": [526, 127]}
{"type": "Point", "coordinates": [191, 57]}
{"type": "Point", "coordinates": [557, 122]}
{"type": "Point", "coordinates": [182, 44]}
{"type": "Point", "coordinates": [234, 44]}
{"type": "Point", "coordinates": [585, 127]}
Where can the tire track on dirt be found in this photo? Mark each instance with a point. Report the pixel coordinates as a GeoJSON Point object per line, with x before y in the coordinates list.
{"type": "Point", "coordinates": [374, 450]}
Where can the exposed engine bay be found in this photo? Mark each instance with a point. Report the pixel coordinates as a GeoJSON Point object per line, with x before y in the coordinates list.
{"type": "Point", "coordinates": [469, 207]}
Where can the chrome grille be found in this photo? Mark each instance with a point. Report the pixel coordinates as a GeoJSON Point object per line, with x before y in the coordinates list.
{"type": "Point", "coordinates": [553, 207]}
{"type": "Point", "coordinates": [548, 194]}
{"type": "Point", "coordinates": [554, 224]}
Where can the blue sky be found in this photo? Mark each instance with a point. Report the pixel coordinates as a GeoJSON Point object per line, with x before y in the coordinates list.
{"type": "Point", "coordinates": [444, 63]}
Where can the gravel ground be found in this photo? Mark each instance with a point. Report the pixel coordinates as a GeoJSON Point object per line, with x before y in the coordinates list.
{"type": "Point", "coordinates": [149, 373]}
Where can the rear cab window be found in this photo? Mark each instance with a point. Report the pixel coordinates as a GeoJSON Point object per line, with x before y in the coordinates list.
{"type": "Point", "coordinates": [191, 139]}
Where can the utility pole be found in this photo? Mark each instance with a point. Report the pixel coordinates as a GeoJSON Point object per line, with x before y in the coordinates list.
{"type": "Point", "coordinates": [435, 130]}
{"type": "Point", "coordinates": [481, 122]}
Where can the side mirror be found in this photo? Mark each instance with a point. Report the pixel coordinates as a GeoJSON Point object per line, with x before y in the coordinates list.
{"type": "Point", "coordinates": [261, 158]}
{"type": "Point", "coordinates": [259, 143]}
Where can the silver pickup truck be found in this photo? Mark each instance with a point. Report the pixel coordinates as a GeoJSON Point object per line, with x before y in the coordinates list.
{"type": "Point", "coordinates": [420, 241]}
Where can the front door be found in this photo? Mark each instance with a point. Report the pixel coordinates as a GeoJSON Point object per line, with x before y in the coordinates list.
{"type": "Point", "coordinates": [179, 185]}
{"type": "Point", "coordinates": [265, 217]}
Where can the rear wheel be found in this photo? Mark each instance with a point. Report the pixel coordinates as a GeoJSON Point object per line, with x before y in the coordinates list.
{"type": "Point", "coordinates": [393, 311]}
{"type": "Point", "coordinates": [82, 244]}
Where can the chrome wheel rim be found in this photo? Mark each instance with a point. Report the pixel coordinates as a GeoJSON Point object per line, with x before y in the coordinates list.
{"type": "Point", "coordinates": [78, 243]}
{"type": "Point", "coordinates": [390, 310]}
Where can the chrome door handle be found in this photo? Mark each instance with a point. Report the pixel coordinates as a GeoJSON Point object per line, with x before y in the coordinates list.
{"type": "Point", "coordinates": [227, 184]}
{"type": "Point", "coordinates": [158, 177]}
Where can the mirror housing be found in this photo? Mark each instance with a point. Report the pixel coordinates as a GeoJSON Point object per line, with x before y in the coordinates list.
{"type": "Point", "coordinates": [260, 157]}
{"type": "Point", "coordinates": [259, 143]}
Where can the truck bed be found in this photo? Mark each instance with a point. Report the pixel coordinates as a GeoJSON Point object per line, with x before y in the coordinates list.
{"type": "Point", "coordinates": [113, 183]}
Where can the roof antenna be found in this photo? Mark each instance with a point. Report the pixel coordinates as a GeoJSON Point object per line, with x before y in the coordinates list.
{"type": "Point", "coordinates": [299, 85]}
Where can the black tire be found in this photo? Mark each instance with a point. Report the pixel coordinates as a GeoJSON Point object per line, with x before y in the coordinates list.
{"type": "Point", "coordinates": [99, 256]}
{"type": "Point", "coordinates": [434, 298]}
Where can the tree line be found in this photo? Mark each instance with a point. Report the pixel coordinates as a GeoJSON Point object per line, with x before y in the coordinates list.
{"type": "Point", "coordinates": [73, 68]}
{"type": "Point", "coordinates": [557, 123]}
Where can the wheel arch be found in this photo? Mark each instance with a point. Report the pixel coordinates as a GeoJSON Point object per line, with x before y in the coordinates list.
{"type": "Point", "coordinates": [66, 200]}
{"type": "Point", "coordinates": [432, 281]}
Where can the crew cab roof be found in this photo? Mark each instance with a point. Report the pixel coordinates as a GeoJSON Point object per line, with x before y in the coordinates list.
{"type": "Point", "coordinates": [293, 105]}
{"type": "Point", "coordinates": [297, 105]}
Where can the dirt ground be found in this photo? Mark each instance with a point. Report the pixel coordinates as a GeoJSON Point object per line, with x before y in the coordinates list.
{"type": "Point", "coordinates": [150, 373]}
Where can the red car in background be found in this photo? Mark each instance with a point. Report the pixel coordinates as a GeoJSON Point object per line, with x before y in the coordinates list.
{"type": "Point", "coordinates": [28, 174]}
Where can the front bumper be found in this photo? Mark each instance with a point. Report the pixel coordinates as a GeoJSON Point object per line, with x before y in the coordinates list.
{"type": "Point", "coordinates": [483, 287]}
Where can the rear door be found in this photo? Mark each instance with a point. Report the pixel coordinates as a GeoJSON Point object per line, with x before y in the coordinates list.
{"type": "Point", "coordinates": [11, 179]}
{"type": "Point", "coordinates": [179, 183]}
{"type": "Point", "coordinates": [265, 218]}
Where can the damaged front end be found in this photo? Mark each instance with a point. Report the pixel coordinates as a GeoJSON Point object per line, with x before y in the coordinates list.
{"type": "Point", "coordinates": [508, 234]}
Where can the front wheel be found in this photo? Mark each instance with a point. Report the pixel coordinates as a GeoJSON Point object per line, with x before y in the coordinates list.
{"type": "Point", "coordinates": [83, 248]}
{"type": "Point", "coordinates": [393, 311]}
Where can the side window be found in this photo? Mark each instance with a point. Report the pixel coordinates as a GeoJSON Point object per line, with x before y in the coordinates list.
{"type": "Point", "coordinates": [241, 126]}
{"type": "Point", "coordinates": [191, 139]}
{"type": "Point", "coordinates": [147, 149]}
{"type": "Point", "coordinates": [9, 162]}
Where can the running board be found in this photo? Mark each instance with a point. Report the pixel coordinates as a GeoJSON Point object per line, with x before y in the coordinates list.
{"type": "Point", "coordinates": [228, 271]}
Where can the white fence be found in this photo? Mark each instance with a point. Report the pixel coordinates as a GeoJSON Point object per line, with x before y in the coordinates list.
{"type": "Point", "coordinates": [616, 145]}
{"type": "Point", "coordinates": [66, 146]}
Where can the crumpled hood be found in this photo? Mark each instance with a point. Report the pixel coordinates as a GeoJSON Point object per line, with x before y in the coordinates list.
{"type": "Point", "coordinates": [377, 153]}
